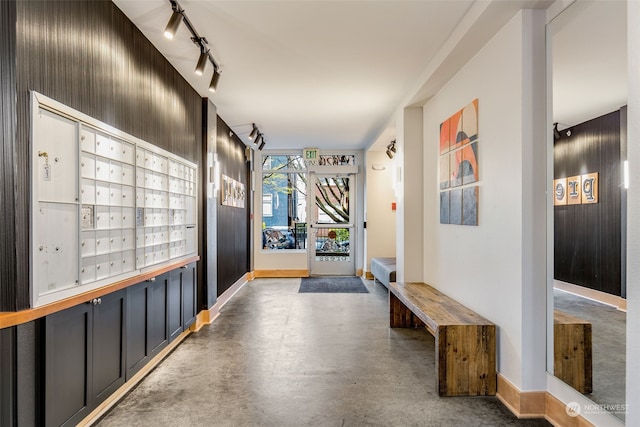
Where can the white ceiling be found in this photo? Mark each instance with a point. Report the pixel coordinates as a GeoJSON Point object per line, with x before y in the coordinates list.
{"type": "Point", "coordinates": [589, 48]}
{"type": "Point", "coordinates": [325, 73]}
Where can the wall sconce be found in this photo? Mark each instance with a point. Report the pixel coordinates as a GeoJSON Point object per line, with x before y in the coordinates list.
{"type": "Point", "coordinates": [214, 174]}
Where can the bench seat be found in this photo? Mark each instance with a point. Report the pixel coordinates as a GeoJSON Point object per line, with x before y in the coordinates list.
{"type": "Point", "coordinates": [384, 270]}
{"type": "Point", "coordinates": [465, 341]}
{"type": "Point", "coordinates": [572, 358]}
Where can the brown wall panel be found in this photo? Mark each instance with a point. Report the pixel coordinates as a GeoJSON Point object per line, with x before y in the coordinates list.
{"type": "Point", "coordinates": [587, 237]}
{"type": "Point", "coordinates": [233, 253]}
{"type": "Point", "coordinates": [89, 56]}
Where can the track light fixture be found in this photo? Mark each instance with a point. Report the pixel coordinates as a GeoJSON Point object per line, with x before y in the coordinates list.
{"type": "Point", "coordinates": [259, 138]}
{"type": "Point", "coordinates": [254, 133]}
{"type": "Point", "coordinates": [174, 22]}
{"type": "Point", "coordinates": [556, 134]}
{"type": "Point", "coordinates": [202, 62]}
{"type": "Point", "coordinates": [261, 146]}
{"type": "Point", "coordinates": [214, 80]}
{"type": "Point", "coordinates": [170, 30]}
{"type": "Point", "coordinates": [391, 149]}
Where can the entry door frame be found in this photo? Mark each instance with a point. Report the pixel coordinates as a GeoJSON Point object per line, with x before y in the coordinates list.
{"type": "Point", "coordinates": [355, 219]}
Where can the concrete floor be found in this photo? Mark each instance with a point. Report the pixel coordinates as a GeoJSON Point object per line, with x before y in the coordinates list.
{"type": "Point", "coordinates": [275, 357]}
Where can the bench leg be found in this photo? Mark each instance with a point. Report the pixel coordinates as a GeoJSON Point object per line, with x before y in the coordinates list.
{"type": "Point", "coordinates": [400, 316]}
{"type": "Point", "coordinates": [572, 361]}
{"type": "Point", "coordinates": [466, 360]}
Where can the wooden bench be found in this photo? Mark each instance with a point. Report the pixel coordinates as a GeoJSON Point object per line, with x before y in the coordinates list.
{"type": "Point", "coordinates": [465, 341]}
{"type": "Point", "coordinates": [572, 360]}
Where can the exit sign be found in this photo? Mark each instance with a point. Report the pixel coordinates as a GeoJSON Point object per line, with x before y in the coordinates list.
{"type": "Point", "coordinates": [311, 155]}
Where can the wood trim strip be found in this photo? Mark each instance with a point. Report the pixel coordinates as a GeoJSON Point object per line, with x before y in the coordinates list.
{"type": "Point", "coordinates": [529, 404]}
{"type": "Point", "coordinates": [602, 297]}
{"type": "Point", "coordinates": [280, 273]}
{"type": "Point", "coordinates": [8, 319]}
{"type": "Point", "coordinates": [368, 275]}
{"type": "Point", "coordinates": [557, 415]}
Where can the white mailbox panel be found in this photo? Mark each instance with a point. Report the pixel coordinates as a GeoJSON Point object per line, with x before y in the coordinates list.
{"type": "Point", "coordinates": [115, 241]}
{"type": "Point", "coordinates": [102, 242]}
{"type": "Point", "coordinates": [128, 174]}
{"type": "Point", "coordinates": [88, 166]}
{"type": "Point", "coordinates": [88, 192]}
{"type": "Point", "coordinates": [102, 169]}
{"type": "Point", "coordinates": [102, 193]}
{"type": "Point", "coordinates": [105, 203]}
{"type": "Point", "coordinates": [128, 240]}
{"type": "Point", "coordinates": [88, 270]}
{"type": "Point", "coordinates": [56, 254]}
{"type": "Point", "coordinates": [103, 266]}
{"type": "Point", "coordinates": [128, 196]}
{"type": "Point", "coordinates": [55, 158]}
{"type": "Point", "coordinates": [88, 243]}
{"type": "Point", "coordinates": [87, 140]}
{"type": "Point", "coordinates": [102, 218]}
{"type": "Point", "coordinates": [103, 145]}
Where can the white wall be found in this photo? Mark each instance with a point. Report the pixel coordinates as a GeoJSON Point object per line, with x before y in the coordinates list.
{"type": "Point", "coordinates": [381, 219]}
{"type": "Point", "coordinates": [492, 268]}
{"type": "Point", "coordinates": [633, 213]}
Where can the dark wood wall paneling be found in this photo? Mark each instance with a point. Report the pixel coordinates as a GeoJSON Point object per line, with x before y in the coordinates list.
{"type": "Point", "coordinates": [89, 56]}
{"type": "Point", "coordinates": [8, 135]}
{"type": "Point", "coordinates": [233, 253]}
{"type": "Point", "coordinates": [587, 237]}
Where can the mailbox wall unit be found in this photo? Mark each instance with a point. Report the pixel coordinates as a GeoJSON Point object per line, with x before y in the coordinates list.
{"type": "Point", "coordinates": [106, 205]}
{"type": "Point", "coordinates": [92, 349]}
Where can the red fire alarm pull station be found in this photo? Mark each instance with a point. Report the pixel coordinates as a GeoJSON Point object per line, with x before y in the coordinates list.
{"type": "Point", "coordinates": [393, 206]}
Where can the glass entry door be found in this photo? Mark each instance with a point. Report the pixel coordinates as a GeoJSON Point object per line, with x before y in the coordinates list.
{"type": "Point", "coordinates": [331, 230]}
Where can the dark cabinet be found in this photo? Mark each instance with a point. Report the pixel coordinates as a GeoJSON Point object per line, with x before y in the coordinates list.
{"type": "Point", "coordinates": [182, 299]}
{"type": "Point", "coordinates": [90, 350]}
{"type": "Point", "coordinates": [84, 357]}
{"type": "Point", "coordinates": [147, 321]}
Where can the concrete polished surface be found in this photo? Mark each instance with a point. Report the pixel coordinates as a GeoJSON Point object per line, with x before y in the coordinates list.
{"type": "Point", "coordinates": [275, 357]}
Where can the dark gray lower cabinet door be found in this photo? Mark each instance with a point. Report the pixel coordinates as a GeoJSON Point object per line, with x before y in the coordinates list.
{"type": "Point", "coordinates": [158, 326]}
{"type": "Point", "coordinates": [189, 294]}
{"type": "Point", "coordinates": [175, 304]}
{"type": "Point", "coordinates": [147, 326]}
{"type": "Point", "coordinates": [108, 345]}
{"type": "Point", "coordinates": [137, 319]}
{"type": "Point", "coordinates": [68, 365]}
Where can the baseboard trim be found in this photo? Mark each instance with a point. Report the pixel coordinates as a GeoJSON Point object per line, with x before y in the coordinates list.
{"type": "Point", "coordinates": [527, 404]}
{"type": "Point", "coordinates": [556, 414]}
{"type": "Point", "coordinates": [537, 404]}
{"type": "Point", "coordinates": [280, 273]}
{"type": "Point", "coordinates": [602, 297]}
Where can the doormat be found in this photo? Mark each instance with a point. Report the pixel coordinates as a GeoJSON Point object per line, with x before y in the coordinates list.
{"type": "Point", "coordinates": [332, 285]}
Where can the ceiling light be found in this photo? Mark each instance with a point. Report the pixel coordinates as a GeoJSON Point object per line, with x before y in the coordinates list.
{"type": "Point", "coordinates": [556, 134]}
{"type": "Point", "coordinates": [202, 62]}
{"type": "Point", "coordinates": [254, 132]}
{"type": "Point", "coordinates": [259, 138]}
{"type": "Point", "coordinates": [262, 144]}
{"type": "Point", "coordinates": [214, 80]}
{"type": "Point", "coordinates": [174, 23]}
{"type": "Point", "coordinates": [390, 153]}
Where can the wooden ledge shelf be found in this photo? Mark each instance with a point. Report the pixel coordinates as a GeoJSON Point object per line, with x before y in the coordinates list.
{"type": "Point", "coordinates": [14, 318]}
{"type": "Point", "coordinates": [465, 341]}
